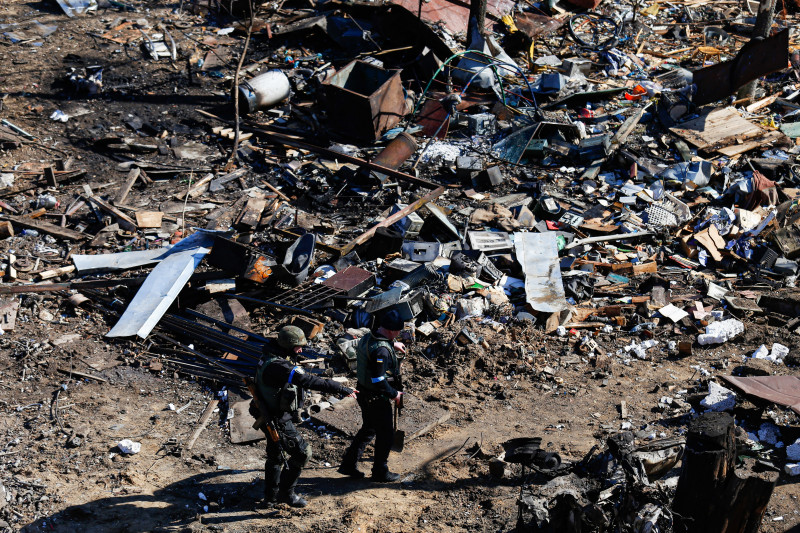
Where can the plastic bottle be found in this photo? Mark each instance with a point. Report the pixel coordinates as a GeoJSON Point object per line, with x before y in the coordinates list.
{"type": "Point", "coordinates": [29, 232]}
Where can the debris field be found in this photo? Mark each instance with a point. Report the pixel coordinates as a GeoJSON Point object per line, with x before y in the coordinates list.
{"type": "Point", "coordinates": [587, 213]}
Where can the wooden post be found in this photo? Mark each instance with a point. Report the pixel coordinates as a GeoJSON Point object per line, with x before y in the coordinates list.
{"type": "Point", "coordinates": [766, 14]}
{"type": "Point", "coordinates": [707, 461]}
{"type": "Point", "coordinates": [477, 17]}
{"type": "Point", "coordinates": [712, 496]}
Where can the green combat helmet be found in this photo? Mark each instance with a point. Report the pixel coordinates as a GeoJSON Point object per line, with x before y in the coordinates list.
{"type": "Point", "coordinates": [291, 336]}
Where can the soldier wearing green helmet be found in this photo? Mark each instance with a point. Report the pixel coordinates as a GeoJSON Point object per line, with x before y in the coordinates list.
{"type": "Point", "coordinates": [281, 384]}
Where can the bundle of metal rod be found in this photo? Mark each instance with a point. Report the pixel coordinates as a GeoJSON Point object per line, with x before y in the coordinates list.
{"type": "Point", "coordinates": [213, 337]}
{"type": "Point", "coordinates": [203, 372]}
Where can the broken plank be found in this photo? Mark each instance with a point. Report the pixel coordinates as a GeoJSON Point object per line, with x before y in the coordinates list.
{"type": "Point", "coordinates": [55, 272]}
{"type": "Point", "coordinates": [50, 229]}
{"type": "Point", "coordinates": [198, 188]}
{"type": "Point", "coordinates": [202, 423]}
{"type": "Point", "coordinates": [8, 314]}
{"type": "Point", "coordinates": [133, 175]}
{"type": "Point", "coordinates": [250, 215]}
{"type": "Point", "coordinates": [125, 222]}
{"type": "Point", "coordinates": [149, 219]}
{"type": "Point", "coordinates": [627, 128]}
{"type": "Point", "coordinates": [755, 106]}
{"type": "Point", "coordinates": [391, 219]}
{"type": "Point", "coordinates": [274, 189]}
{"type": "Point", "coordinates": [61, 177]}
{"type": "Point", "coordinates": [719, 128]}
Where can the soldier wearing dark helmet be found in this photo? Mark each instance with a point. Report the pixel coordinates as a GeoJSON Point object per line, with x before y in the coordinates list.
{"type": "Point", "coordinates": [280, 385]}
{"type": "Point", "coordinates": [380, 386]}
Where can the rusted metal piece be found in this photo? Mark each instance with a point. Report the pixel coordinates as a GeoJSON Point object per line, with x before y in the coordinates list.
{"type": "Point", "coordinates": [388, 221]}
{"type": "Point", "coordinates": [363, 100]}
{"type": "Point", "coordinates": [755, 59]}
{"type": "Point", "coordinates": [534, 25]}
{"type": "Point", "coordinates": [783, 390]}
{"type": "Point", "coordinates": [352, 281]}
{"type": "Point", "coordinates": [454, 14]}
{"type": "Point", "coordinates": [395, 153]}
{"type": "Point", "coordinates": [432, 118]}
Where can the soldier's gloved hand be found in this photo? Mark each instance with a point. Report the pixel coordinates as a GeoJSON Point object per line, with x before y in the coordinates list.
{"type": "Point", "coordinates": [400, 347]}
{"type": "Point", "coordinates": [352, 394]}
{"type": "Point", "coordinates": [398, 400]}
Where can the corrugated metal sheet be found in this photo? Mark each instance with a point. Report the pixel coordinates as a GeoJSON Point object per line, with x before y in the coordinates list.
{"type": "Point", "coordinates": [783, 390]}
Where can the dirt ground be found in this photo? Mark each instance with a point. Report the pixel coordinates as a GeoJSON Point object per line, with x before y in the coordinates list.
{"type": "Point", "coordinates": [89, 486]}
{"type": "Point", "coordinates": [59, 462]}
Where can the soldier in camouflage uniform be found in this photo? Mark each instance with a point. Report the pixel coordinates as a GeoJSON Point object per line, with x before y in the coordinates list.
{"type": "Point", "coordinates": [379, 385]}
{"type": "Point", "coordinates": [280, 385]}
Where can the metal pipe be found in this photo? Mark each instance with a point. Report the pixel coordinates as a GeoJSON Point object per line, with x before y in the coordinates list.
{"type": "Point", "coordinates": [216, 338]}
{"type": "Point", "coordinates": [395, 154]}
{"type": "Point", "coordinates": [202, 356]}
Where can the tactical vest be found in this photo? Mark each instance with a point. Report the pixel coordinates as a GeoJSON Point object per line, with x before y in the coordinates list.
{"type": "Point", "coordinates": [367, 345]}
{"type": "Point", "coordinates": [278, 400]}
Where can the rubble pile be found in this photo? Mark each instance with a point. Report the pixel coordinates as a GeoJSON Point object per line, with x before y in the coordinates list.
{"type": "Point", "coordinates": [563, 198]}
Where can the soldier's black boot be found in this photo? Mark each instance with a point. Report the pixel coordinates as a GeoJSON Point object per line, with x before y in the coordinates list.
{"type": "Point", "coordinates": [383, 475]}
{"type": "Point", "coordinates": [272, 476]}
{"type": "Point", "coordinates": [288, 483]}
{"type": "Point", "coordinates": [348, 468]}
{"type": "Point", "coordinates": [292, 499]}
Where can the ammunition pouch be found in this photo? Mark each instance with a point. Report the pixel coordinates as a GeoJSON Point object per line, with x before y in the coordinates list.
{"type": "Point", "coordinates": [287, 399]}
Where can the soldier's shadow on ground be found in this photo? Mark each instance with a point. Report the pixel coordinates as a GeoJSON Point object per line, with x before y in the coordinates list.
{"type": "Point", "coordinates": [177, 505]}
{"type": "Point", "coordinates": [168, 509]}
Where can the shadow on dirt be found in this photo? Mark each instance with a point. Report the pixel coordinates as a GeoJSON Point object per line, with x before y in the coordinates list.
{"type": "Point", "coordinates": [168, 509]}
{"type": "Point", "coordinates": [178, 505]}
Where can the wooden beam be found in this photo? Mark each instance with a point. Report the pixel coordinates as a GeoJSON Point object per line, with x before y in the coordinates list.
{"type": "Point", "coordinates": [61, 177]}
{"type": "Point", "coordinates": [51, 229]}
{"type": "Point", "coordinates": [391, 219]}
{"type": "Point", "coordinates": [202, 423]}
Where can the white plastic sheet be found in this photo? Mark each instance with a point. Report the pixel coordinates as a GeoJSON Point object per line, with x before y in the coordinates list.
{"type": "Point", "coordinates": [538, 255]}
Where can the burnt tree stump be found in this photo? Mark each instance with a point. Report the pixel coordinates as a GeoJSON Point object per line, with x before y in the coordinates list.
{"type": "Point", "coordinates": [746, 496]}
{"type": "Point", "coordinates": [712, 495]}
